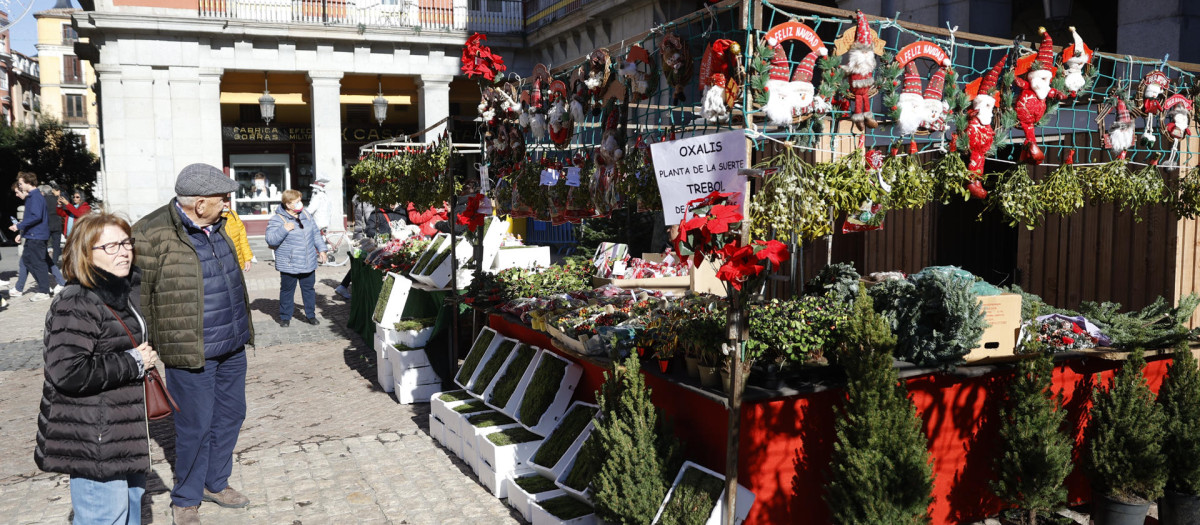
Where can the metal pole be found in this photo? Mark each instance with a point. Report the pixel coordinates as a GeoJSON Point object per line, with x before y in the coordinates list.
{"type": "Point", "coordinates": [453, 298]}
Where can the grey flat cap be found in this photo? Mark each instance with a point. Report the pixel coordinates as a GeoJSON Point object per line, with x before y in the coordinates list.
{"type": "Point", "coordinates": [198, 180]}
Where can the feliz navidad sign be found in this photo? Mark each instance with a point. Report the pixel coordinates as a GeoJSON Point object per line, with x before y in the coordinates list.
{"type": "Point", "coordinates": [690, 168]}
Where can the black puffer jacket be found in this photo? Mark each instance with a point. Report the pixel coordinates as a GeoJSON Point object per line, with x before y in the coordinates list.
{"type": "Point", "coordinates": [93, 412]}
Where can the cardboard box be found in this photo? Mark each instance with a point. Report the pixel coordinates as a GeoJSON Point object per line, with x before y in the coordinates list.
{"type": "Point", "coordinates": [999, 342]}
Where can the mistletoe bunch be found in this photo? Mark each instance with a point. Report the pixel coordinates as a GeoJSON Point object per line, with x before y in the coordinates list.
{"type": "Point", "coordinates": [710, 229]}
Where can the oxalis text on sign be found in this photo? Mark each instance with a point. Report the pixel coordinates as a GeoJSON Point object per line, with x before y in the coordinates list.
{"type": "Point", "coordinates": [690, 168]}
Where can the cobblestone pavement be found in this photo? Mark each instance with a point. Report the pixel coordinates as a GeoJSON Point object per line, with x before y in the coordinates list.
{"type": "Point", "coordinates": [322, 443]}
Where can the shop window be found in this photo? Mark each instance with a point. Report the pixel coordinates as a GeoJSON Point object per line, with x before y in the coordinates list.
{"type": "Point", "coordinates": [73, 109]}
{"type": "Point", "coordinates": [261, 180]}
{"type": "Point", "coordinates": [72, 70]}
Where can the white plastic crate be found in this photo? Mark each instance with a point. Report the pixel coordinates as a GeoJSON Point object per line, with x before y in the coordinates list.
{"type": "Point", "coordinates": [439, 276]}
{"type": "Point", "coordinates": [443, 409]}
{"type": "Point", "coordinates": [394, 307]}
{"type": "Point", "coordinates": [408, 358]}
{"type": "Point", "coordinates": [555, 470]}
{"type": "Point", "coordinates": [521, 500]}
{"type": "Point", "coordinates": [566, 390]}
{"type": "Point", "coordinates": [745, 498]}
{"type": "Point", "coordinates": [506, 458]}
{"type": "Point", "coordinates": [415, 376]}
{"type": "Point", "coordinates": [383, 370]}
{"type": "Point", "coordinates": [539, 516]}
{"type": "Point", "coordinates": [437, 429]}
{"type": "Point", "coordinates": [479, 440]}
{"type": "Point", "coordinates": [572, 455]}
{"type": "Point", "coordinates": [497, 482]}
{"type": "Point", "coordinates": [523, 257]}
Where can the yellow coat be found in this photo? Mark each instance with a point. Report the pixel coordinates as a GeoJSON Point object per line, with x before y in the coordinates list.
{"type": "Point", "coordinates": [237, 232]}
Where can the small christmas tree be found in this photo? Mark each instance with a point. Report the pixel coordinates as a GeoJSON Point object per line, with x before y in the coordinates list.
{"type": "Point", "coordinates": [639, 455]}
{"type": "Point", "coordinates": [1035, 453]}
{"type": "Point", "coordinates": [881, 464]}
{"type": "Point", "coordinates": [1179, 398]}
{"type": "Point", "coordinates": [1124, 436]}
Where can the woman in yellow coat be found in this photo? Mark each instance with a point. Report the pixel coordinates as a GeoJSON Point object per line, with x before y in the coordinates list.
{"type": "Point", "coordinates": [237, 233]}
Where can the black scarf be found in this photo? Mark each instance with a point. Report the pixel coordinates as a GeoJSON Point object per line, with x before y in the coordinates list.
{"type": "Point", "coordinates": [113, 290]}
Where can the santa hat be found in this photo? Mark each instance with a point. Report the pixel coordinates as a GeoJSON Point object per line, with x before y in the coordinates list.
{"type": "Point", "coordinates": [934, 90]}
{"type": "Point", "coordinates": [863, 34]}
{"type": "Point", "coordinates": [1045, 56]}
{"type": "Point", "coordinates": [1122, 112]}
{"type": "Point", "coordinates": [912, 79]}
{"type": "Point", "coordinates": [992, 77]}
{"type": "Point", "coordinates": [1158, 78]}
{"type": "Point", "coordinates": [1079, 47]}
{"type": "Point", "coordinates": [804, 70]}
{"type": "Point", "coordinates": [779, 64]}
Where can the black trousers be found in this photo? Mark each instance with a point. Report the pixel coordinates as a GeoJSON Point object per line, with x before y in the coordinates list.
{"type": "Point", "coordinates": [37, 262]}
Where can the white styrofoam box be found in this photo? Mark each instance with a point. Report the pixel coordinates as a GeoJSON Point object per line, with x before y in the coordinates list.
{"type": "Point", "coordinates": [458, 422]}
{"type": "Point", "coordinates": [386, 333]}
{"type": "Point", "coordinates": [496, 482]}
{"type": "Point", "coordinates": [439, 276]}
{"type": "Point", "coordinates": [439, 238]}
{"type": "Point", "coordinates": [566, 390]}
{"type": "Point", "coordinates": [413, 338]}
{"type": "Point", "coordinates": [539, 516]}
{"type": "Point", "coordinates": [414, 376]}
{"type": "Point", "coordinates": [453, 442]}
{"type": "Point", "coordinates": [443, 409]}
{"type": "Point", "coordinates": [394, 307]}
{"type": "Point", "coordinates": [510, 408]}
{"type": "Point", "coordinates": [506, 458]}
{"type": "Point", "coordinates": [563, 467]}
{"type": "Point", "coordinates": [378, 338]}
{"type": "Point", "coordinates": [553, 471]}
{"type": "Point", "coordinates": [521, 500]}
{"type": "Point", "coordinates": [496, 342]}
{"type": "Point", "coordinates": [478, 439]}
{"type": "Point", "coordinates": [571, 455]}
{"type": "Point", "coordinates": [409, 357]}
{"type": "Point", "coordinates": [524, 257]}
{"type": "Point", "coordinates": [383, 370]}
{"type": "Point", "coordinates": [745, 498]}
{"type": "Point", "coordinates": [437, 429]}
{"type": "Point", "coordinates": [409, 394]}
{"type": "Point", "coordinates": [493, 235]}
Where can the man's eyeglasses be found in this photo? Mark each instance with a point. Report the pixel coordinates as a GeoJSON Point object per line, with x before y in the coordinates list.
{"type": "Point", "coordinates": [112, 247]}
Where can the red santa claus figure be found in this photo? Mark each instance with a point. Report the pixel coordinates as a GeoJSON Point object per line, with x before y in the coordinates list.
{"type": "Point", "coordinates": [1154, 88]}
{"type": "Point", "coordinates": [980, 133]}
{"type": "Point", "coordinates": [860, 66]}
{"type": "Point", "coordinates": [1035, 90]}
{"type": "Point", "coordinates": [720, 71]}
{"type": "Point", "coordinates": [1177, 114]}
{"type": "Point", "coordinates": [910, 104]}
{"type": "Point", "coordinates": [780, 94]}
{"type": "Point", "coordinates": [936, 108]}
{"type": "Point", "coordinates": [1120, 138]}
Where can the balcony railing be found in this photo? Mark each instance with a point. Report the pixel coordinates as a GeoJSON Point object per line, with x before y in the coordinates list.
{"type": "Point", "coordinates": [491, 16]}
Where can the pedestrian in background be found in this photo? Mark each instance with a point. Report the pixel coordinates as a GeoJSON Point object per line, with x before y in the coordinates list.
{"type": "Point", "coordinates": [73, 210]}
{"type": "Point", "coordinates": [52, 195]}
{"type": "Point", "coordinates": [237, 233]}
{"type": "Point", "coordinates": [92, 420]}
{"type": "Point", "coordinates": [361, 211]}
{"type": "Point", "coordinates": [23, 272]}
{"type": "Point", "coordinates": [298, 246]}
{"type": "Point", "coordinates": [35, 229]}
{"type": "Point", "coordinates": [198, 315]}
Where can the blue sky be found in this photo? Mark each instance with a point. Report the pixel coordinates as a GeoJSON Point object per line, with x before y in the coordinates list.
{"type": "Point", "coordinates": [23, 36]}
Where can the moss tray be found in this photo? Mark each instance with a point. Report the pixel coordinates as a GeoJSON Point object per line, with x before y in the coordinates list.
{"type": "Point", "coordinates": [474, 356]}
{"type": "Point", "coordinates": [471, 407]}
{"type": "Point", "coordinates": [542, 389]}
{"type": "Point", "coordinates": [490, 418]}
{"type": "Point", "coordinates": [694, 499]}
{"type": "Point", "coordinates": [564, 435]}
{"type": "Point", "coordinates": [513, 436]}
{"type": "Point", "coordinates": [566, 507]}
{"type": "Point", "coordinates": [430, 251]}
{"type": "Point", "coordinates": [415, 324]}
{"type": "Point", "coordinates": [457, 395]}
{"type": "Point", "coordinates": [587, 464]}
{"type": "Point", "coordinates": [384, 294]}
{"type": "Point", "coordinates": [512, 376]}
{"type": "Point", "coordinates": [535, 484]}
{"type": "Point", "coordinates": [492, 366]}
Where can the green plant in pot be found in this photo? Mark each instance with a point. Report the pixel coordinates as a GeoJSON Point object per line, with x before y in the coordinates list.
{"type": "Point", "coordinates": [1179, 398]}
{"type": "Point", "coordinates": [1124, 447]}
{"type": "Point", "coordinates": [1035, 453]}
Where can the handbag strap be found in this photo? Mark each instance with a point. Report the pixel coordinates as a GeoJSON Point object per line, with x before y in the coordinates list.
{"type": "Point", "coordinates": [123, 325]}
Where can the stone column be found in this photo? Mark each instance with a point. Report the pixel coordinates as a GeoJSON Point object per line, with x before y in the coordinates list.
{"type": "Point", "coordinates": [327, 139]}
{"type": "Point", "coordinates": [434, 92]}
{"type": "Point", "coordinates": [211, 149]}
{"type": "Point", "coordinates": [195, 118]}
{"type": "Point", "coordinates": [132, 183]}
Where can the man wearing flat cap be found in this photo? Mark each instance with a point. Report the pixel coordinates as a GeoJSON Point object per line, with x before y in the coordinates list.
{"type": "Point", "coordinates": [198, 316]}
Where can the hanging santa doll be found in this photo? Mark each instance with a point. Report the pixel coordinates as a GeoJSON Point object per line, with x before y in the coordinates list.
{"type": "Point", "coordinates": [910, 104]}
{"type": "Point", "coordinates": [980, 133]}
{"type": "Point", "coordinates": [936, 108]}
{"type": "Point", "coordinates": [1177, 114]}
{"type": "Point", "coordinates": [1120, 138]}
{"type": "Point", "coordinates": [780, 99]}
{"type": "Point", "coordinates": [806, 100]}
{"type": "Point", "coordinates": [720, 77]}
{"type": "Point", "coordinates": [860, 66]}
{"type": "Point", "coordinates": [1035, 91]}
{"type": "Point", "coordinates": [1154, 88]}
{"type": "Point", "coordinates": [1075, 57]}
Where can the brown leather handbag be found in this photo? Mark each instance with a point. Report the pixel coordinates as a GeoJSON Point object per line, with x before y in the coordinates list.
{"type": "Point", "coordinates": [159, 403]}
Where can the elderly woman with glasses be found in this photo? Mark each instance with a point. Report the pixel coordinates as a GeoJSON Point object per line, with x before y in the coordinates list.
{"type": "Point", "coordinates": [73, 210]}
{"type": "Point", "coordinates": [92, 424]}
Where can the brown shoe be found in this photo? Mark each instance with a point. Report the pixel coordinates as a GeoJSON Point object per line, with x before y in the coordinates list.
{"type": "Point", "coordinates": [185, 515]}
{"type": "Point", "coordinates": [228, 498]}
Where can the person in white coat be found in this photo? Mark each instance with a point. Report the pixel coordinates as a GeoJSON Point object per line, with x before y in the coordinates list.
{"type": "Point", "coordinates": [318, 204]}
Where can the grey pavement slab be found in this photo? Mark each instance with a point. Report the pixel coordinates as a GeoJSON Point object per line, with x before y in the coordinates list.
{"type": "Point", "coordinates": [322, 443]}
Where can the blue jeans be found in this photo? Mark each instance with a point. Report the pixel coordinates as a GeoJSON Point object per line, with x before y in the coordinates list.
{"type": "Point", "coordinates": [212, 407]}
{"type": "Point", "coordinates": [287, 294]}
{"type": "Point", "coordinates": [37, 262]}
{"type": "Point", "coordinates": [110, 501]}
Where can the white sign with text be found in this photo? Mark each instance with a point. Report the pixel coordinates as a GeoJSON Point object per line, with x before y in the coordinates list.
{"type": "Point", "coordinates": [688, 169]}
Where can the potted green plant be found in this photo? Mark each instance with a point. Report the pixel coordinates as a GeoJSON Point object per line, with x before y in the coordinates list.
{"type": "Point", "coordinates": [1124, 457]}
{"type": "Point", "coordinates": [1035, 453]}
{"type": "Point", "coordinates": [1179, 398]}
{"type": "Point", "coordinates": [874, 479]}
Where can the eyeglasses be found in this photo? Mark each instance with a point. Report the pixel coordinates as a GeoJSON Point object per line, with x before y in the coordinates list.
{"type": "Point", "coordinates": [112, 247]}
{"type": "Point", "coordinates": [77, 196]}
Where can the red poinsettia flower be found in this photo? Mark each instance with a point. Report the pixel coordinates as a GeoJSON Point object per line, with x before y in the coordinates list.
{"type": "Point", "coordinates": [1068, 341]}
{"type": "Point", "coordinates": [773, 251]}
{"type": "Point", "coordinates": [478, 59]}
{"type": "Point", "coordinates": [470, 217]}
